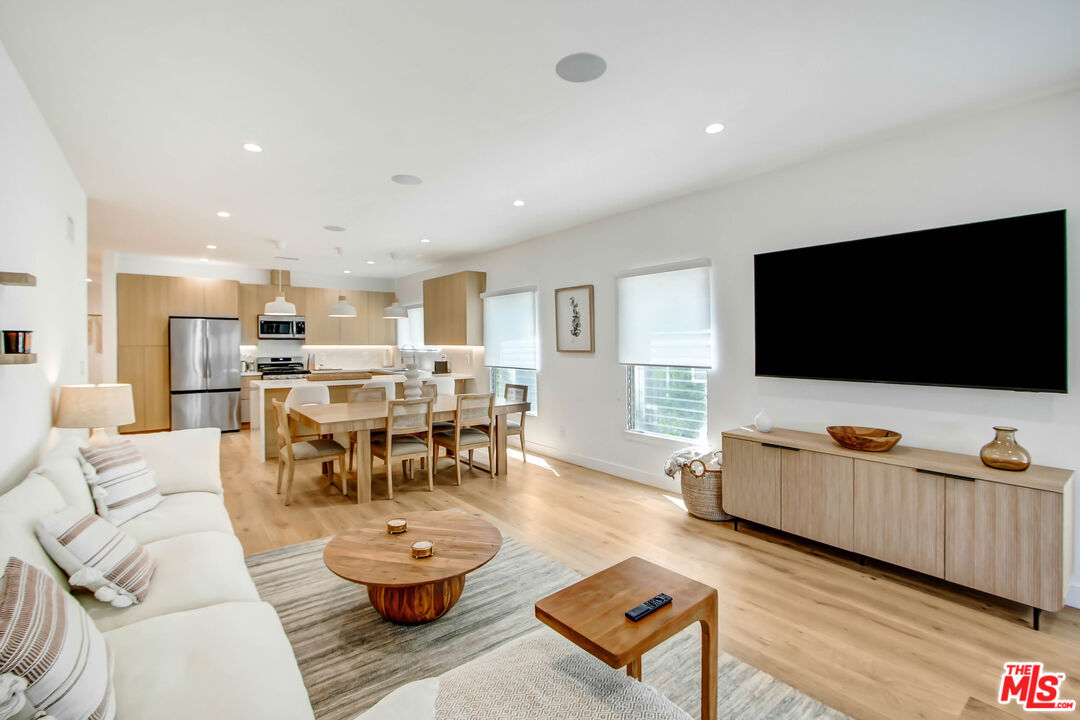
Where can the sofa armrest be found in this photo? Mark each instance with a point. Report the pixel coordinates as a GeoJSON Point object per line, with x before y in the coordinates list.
{"type": "Point", "coordinates": [183, 460]}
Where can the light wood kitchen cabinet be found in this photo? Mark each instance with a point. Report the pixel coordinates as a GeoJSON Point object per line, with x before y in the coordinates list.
{"type": "Point", "coordinates": [321, 329]}
{"type": "Point", "coordinates": [146, 368]}
{"type": "Point", "coordinates": [380, 330]}
{"type": "Point", "coordinates": [817, 496]}
{"type": "Point", "coordinates": [940, 513]}
{"type": "Point", "coordinates": [453, 309]}
{"type": "Point", "coordinates": [752, 481]}
{"type": "Point", "coordinates": [203, 297]}
{"type": "Point", "coordinates": [1006, 540]}
{"type": "Point", "coordinates": [252, 302]}
{"type": "Point", "coordinates": [900, 516]}
{"type": "Point", "coordinates": [142, 305]}
{"type": "Point", "coordinates": [354, 331]}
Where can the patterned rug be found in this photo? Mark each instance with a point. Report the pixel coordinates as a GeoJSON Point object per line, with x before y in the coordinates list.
{"type": "Point", "coordinates": [350, 657]}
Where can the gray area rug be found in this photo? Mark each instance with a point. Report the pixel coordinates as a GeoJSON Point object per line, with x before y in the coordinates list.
{"type": "Point", "coordinates": [350, 657]}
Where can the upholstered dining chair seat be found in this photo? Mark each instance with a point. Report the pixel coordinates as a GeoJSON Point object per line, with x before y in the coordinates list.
{"type": "Point", "coordinates": [316, 448]}
{"type": "Point", "coordinates": [469, 436]}
{"type": "Point", "coordinates": [403, 445]}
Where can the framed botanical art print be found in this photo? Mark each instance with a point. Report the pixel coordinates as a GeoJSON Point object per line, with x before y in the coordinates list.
{"type": "Point", "coordinates": [574, 319]}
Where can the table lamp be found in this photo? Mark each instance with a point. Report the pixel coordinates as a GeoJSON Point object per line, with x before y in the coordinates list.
{"type": "Point", "coordinates": [96, 407]}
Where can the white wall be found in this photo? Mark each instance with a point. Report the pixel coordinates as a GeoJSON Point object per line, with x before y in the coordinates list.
{"type": "Point", "coordinates": [38, 193]}
{"type": "Point", "coordinates": [1016, 160]}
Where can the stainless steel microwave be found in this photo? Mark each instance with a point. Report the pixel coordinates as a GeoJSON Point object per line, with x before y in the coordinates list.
{"type": "Point", "coordinates": [282, 327]}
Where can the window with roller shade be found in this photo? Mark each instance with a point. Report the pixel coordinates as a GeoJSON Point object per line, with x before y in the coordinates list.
{"type": "Point", "coordinates": [411, 328]}
{"type": "Point", "coordinates": [665, 342]}
{"type": "Point", "coordinates": [510, 340]}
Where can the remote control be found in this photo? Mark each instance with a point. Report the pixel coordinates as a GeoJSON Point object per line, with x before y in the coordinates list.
{"type": "Point", "coordinates": [649, 606]}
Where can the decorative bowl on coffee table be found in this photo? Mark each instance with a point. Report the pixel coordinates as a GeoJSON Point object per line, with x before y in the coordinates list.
{"type": "Point", "coordinates": [867, 439]}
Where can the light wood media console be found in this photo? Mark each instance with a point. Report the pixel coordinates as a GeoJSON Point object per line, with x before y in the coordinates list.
{"type": "Point", "coordinates": [944, 514]}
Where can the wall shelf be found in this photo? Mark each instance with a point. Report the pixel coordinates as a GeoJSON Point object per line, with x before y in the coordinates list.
{"type": "Point", "coordinates": [18, 358]}
{"type": "Point", "coordinates": [24, 279]}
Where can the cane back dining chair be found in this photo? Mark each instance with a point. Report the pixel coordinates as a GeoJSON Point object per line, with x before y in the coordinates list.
{"type": "Point", "coordinates": [405, 421]}
{"type": "Point", "coordinates": [472, 430]}
{"type": "Point", "coordinates": [516, 393]}
{"type": "Point", "coordinates": [291, 452]}
{"type": "Point", "coordinates": [364, 394]}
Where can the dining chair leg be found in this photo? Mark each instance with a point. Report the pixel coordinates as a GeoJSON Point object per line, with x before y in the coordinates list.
{"type": "Point", "coordinates": [280, 471]}
{"type": "Point", "coordinates": [457, 465]}
{"type": "Point", "coordinates": [352, 449]}
{"type": "Point", "coordinates": [288, 484]}
{"type": "Point", "coordinates": [390, 480]}
{"type": "Point", "coordinates": [521, 439]}
{"type": "Point", "coordinates": [470, 461]}
{"type": "Point", "coordinates": [430, 474]}
{"type": "Point", "coordinates": [491, 456]}
{"type": "Point", "coordinates": [404, 470]}
{"type": "Point", "coordinates": [344, 481]}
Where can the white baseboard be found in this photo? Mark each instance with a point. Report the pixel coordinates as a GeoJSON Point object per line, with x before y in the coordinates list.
{"type": "Point", "coordinates": [656, 480]}
{"type": "Point", "coordinates": [1072, 598]}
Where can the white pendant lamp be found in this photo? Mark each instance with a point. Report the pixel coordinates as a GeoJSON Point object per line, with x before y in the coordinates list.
{"type": "Point", "coordinates": [395, 311]}
{"type": "Point", "coordinates": [342, 308]}
{"type": "Point", "coordinates": [279, 306]}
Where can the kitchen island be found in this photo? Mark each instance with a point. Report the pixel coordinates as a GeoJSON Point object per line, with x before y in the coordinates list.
{"type": "Point", "coordinates": [262, 392]}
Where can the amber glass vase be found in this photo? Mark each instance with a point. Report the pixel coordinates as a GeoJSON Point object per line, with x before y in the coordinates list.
{"type": "Point", "coordinates": [1003, 452]}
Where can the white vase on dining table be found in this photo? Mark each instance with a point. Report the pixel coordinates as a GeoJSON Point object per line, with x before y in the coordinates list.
{"type": "Point", "coordinates": [412, 381]}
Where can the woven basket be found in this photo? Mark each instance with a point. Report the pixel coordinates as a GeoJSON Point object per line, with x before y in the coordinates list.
{"type": "Point", "coordinates": [702, 490]}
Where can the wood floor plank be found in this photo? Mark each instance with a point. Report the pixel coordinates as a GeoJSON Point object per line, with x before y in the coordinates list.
{"type": "Point", "coordinates": [873, 641]}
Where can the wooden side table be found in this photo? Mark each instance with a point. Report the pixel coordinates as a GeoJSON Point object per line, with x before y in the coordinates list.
{"type": "Point", "coordinates": [589, 613]}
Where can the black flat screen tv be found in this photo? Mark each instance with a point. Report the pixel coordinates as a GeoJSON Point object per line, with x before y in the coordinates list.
{"type": "Point", "coordinates": [981, 305]}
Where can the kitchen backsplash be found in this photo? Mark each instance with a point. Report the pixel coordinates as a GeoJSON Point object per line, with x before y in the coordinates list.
{"type": "Point", "coordinates": [461, 360]}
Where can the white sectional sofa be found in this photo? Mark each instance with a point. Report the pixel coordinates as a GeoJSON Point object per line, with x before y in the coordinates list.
{"type": "Point", "coordinates": [202, 644]}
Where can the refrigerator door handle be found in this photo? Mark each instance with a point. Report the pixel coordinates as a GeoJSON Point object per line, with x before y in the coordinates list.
{"type": "Point", "coordinates": [206, 350]}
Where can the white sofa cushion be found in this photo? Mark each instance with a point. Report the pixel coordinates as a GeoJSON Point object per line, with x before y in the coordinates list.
{"type": "Point", "coordinates": [63, 467]}
{"type": "Point", "coordinates": [415, 701]}
{"type": "Point", "coordinates": [183, 460]}
{"type": "Point", "coordinates": [224, 661]}
{"type": "Point", "coordinates": [179, 514]}
{"type": "Point", "coordinates": [121, 482]}
{"type": "Point", "coordinates": [35, 497]}
{"type": "Point", "coordinates": [47, 639]}
{"type": "Point", "coordinates": [97, 556]}
{"type": "Point", "coordinates": [193, 571]}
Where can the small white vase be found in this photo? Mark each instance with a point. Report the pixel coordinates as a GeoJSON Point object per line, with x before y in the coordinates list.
{"type": "Point", "coordinates": [763, 422]}
{"type": "Point", "coordinates": [412, 381]}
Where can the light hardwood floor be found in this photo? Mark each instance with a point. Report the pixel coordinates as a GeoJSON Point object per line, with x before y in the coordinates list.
{"type": "Point", "coordinates": [872, 641]}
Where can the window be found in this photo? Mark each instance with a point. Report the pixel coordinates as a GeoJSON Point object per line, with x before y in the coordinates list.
{"type": "Point", "coordinates": [514, 376]}
{"type": "Point", "coordinates": [665, 342]}
{"type": "Point", "coordinates": [410, 330]}
{"type": "Point", "coordinates": [669, 401]}
{"type": "Point", "coordinates": [510, 342]}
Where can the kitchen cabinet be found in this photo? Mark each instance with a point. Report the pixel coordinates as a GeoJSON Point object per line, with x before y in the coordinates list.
{"type": "Point", "coordinates": [203, 297]}
{"type": "Point", "coordinates": [142, 310]}
{"type": "Point", "coordinates": [940, 513]}
{"type": "Point", "coordinates": [453, 309]}
{"type": "Point", "coordinates": [380, 330]}
{"type": "Point", "coordinates": [146, 369]}
{"type": "Point", "coordinates": [354, 330]}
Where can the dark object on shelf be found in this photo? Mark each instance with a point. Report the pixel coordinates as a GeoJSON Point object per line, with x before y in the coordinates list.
{"type": "Point", "coordinates": [442, 367]}
{"type": "Point", "coordinates": [867, 439]}
{"type": "Point", "coordinates": [17, 341]}
{"type": "Point", "coordinates": [1003, 452]}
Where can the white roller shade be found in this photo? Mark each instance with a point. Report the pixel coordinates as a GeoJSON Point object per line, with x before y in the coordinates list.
{"type": "Point", "coordinates": [664, 318]}
{"type": "Point", "coordinates": [411, 328]}
{"type": "Point", "coordinates": [510, 330]}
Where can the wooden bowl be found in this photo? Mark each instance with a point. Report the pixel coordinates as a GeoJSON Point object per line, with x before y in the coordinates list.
{"type": "Point", "coordinates": [867, 439]}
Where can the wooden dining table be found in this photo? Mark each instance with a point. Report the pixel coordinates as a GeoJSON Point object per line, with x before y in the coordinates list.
{"type": "Point", "coordinates": [362, 418]}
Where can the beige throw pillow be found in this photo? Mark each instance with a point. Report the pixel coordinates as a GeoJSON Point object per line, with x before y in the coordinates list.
{"type": "Point", "coordinates": [120, 482]}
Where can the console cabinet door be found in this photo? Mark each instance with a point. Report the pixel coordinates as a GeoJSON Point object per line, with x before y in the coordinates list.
{"type": "Point", "coordinates": [752, 481]}
{"type": "Point", "coordinates": [1005, 540]}
{"type": "Point", "coordinates": [817, 493]}
{"type": "Point", "coordinates": [900, 516]}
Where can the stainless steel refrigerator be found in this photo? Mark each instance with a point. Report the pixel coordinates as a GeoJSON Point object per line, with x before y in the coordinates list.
{"type": "Point", "coordinates": [204, 373]}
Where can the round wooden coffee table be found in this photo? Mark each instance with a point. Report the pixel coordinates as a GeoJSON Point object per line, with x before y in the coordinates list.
{"type": "Point", "coordinates": [401, 588]}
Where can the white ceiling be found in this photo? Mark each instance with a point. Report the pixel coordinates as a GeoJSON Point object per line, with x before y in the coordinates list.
{"type": "Point", "coordinates": [151, 101]}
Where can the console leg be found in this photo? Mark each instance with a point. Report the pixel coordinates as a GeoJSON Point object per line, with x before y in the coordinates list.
{"type": "Point", "coordinates": [862, 559]}
{"type": "Point", "coordinates": [736, 524]}
{"type": "Point", "coordinates": [1035, 613]}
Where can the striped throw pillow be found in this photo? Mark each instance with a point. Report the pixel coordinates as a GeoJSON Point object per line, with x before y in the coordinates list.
{"type": "Point", "coordinates": [97, 556]}
{"type": "Point", "coordinates": [121, 483]}
{"type": "Point", "coordinates": [47, 639]}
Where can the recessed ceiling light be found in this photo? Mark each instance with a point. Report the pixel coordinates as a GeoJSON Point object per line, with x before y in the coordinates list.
{"type": "Point", "coordinates": [252, 147]}
{"type": "Point", "coordinates": [519, 203]}
{"type": "Point", "coordinates": [204, 259]}
{"type": "Point", "coordinates": [89, 279]}
{"type": "Point", "coordinates": [370, 262]}
{"type": "Point", "coordinates": [425, 240]}
{"type": "Point", "coordinates": [581, 67]}
{"type": "Point", "coordinates": [406, 179]}
{"type": "Point", "coordinates": [348, 272]}
{"type": "Point", "coordinates": [211, 247]}
{"type": "Point", "coordinates": [713, 128]}
{"type": "Point", "coordinates": [223, 213]}
{"type": "Point", "coordinates": [333, 228]}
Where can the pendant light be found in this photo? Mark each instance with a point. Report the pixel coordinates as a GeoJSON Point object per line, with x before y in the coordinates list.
{"type": "Point", "coordinates": [394, 311]}
{"type": "Point", "coordinates": [279, 306]}
{"type": "Point", "coordinates": [342, 308]}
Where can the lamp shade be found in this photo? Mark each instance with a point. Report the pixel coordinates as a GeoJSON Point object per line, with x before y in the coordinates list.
{"type": "Point", "coordinates": [95, 406]}
{"type": "Point", "coordinates": [279, 307]}
{"type": "Point", "coordinates": [342, 308]}
{"type": "Point", "coordinates": [395, 312]}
